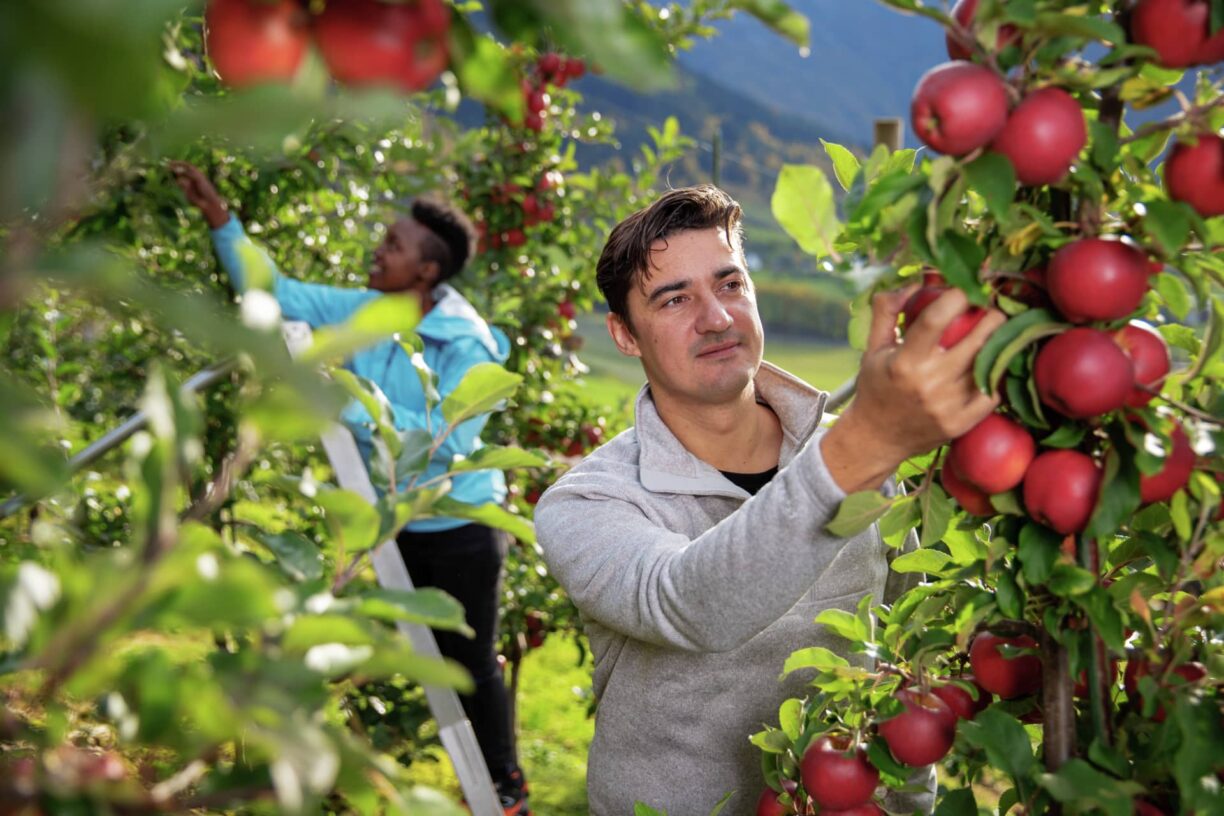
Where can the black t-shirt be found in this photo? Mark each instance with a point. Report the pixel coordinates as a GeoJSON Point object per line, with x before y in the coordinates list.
{"type": "Point", "coordinates": [752, 482]}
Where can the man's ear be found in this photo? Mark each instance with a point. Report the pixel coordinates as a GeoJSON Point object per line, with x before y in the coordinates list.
{"type": "Point", "coordinates": [622, 335]}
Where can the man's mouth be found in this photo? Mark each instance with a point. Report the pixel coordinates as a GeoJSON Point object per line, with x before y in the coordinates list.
{"type": "Point", "coordinates": [719, 349]}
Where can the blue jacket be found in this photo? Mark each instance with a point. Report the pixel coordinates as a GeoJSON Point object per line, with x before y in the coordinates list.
{"type": "Point", "coordinates": [456, 338]}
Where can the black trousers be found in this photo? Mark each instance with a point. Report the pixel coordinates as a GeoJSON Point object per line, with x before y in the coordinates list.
{"type": "Point", "coordinates": [467, 563]}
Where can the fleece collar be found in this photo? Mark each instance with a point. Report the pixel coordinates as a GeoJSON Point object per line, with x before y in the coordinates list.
{"type": "Point", "coordinates": [666, 466]}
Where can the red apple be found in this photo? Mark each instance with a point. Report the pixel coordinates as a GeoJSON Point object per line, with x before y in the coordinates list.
{"type": "Point", "coordinates": [1149, 355]}
{"type": "Point", "coordinates": [567, 310]}
{"type": "Point", "coordinates": [958, 107]}
{"type": "Point", "coordinates": [838, 775]}
{"type": "Point", "coordinates": [955, 331]}
{"type": "Point", "coordinates": [963, 13]}
{"type": "Point", "coordinates": [961, 701]}
{"type": "Point", "coordinates": [974, 501]}
{"type": "Point", "coordinates": [549, 64]}
{"type": "Point", "coordinates": [1042, 136]}
{"type": "Point", "coordinates": [768, 804]}
{"type": "Point", "coordinates": [1139, 666]}
{"type": "Point", "coordinates": [574, 68]}
{"type": "Point", "coordinates": [1143, 808]}
{"type": "Point", "coordinates": [868, 809]}
{"type": "Point", "coordinates": [369, 42]}
{"type": "Point", "coordinates": [1030, 289]}
{"type": "Point", "coordinates": [1061, 490]}
{"type": "Point", "coordinates": [1174, 474]}
{"type": "Point", "coordinates": [1009, 678]}
{"type": "Point", "coordinates": [1194, 173]}
{"type": "Point", "coordinates": [250, 41]}
{"type": "Point", "coordinates": [1177, 29]}
{"type": "Point", "coordinates": [1097, 279]}
{"type": "Point", "coordinates": [923, 733]}
{"type": "Point", "coordinates": [993, 455]}
{"type": "Point", "coordinates": [1083, 373]}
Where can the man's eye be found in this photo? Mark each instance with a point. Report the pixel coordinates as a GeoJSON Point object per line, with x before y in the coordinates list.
{"type": "Point", "coordinates": [674, 301]}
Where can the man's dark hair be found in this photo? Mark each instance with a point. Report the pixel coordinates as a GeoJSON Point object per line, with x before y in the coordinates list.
{"type": "Point", "coordinates": [452, 238]}
{"type": "Point", "coordinates": [626, 257]}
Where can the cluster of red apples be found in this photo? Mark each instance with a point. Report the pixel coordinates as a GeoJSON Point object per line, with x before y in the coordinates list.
{"type": "Point", "coordinates": [363, 42]}
{"type": "Point", "coordinates": [961, 107]}
{"type": "Point", "coordinates": [551, 69]}
{"type": "Point", "coordinates": [839, 778]}
{"type": "Point", "coordinates": [1102, 364]}
{"type": "Point", "coordinates": [509, 210]}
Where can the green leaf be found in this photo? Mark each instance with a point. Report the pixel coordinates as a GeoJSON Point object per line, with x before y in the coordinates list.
{"type": "Point", "coordinates": [376, 404]}
{"type": "Point", "coordinates": [1077, 781]}
{"type": "Point", "coordinates": [493, 515]}
{"type": "Point", "coordinates": [960, 257]}
{"type": "Point", "coordinates": [1068, 580]}
{"type": "Point", "coordinates": [378, 320]}
{"type": "Point", "coordinates": [813, 657]}
{"type": "Point", "coordinates": [1039, 548]}
{"type": "Point", "coordinates": [493, 457]}
{"type": "Point", "coordinates": [428, 671]}
{"type": "Point", "coordinates": [1105, 617]}
{"type": "Point", "coordinates": [297, 555]}
{"type": "Point", "coordinates": [1009, 340]}
{"type": "Point", "coordinates": [1005, 741]}
{"type": "Point", "coordinates": [312, 630]}
{"type": "Point", "coordinates": [414, 447]}
{"type": "Point", "coordinates": [803, 205]}
{"type": "Point", "coordinates": [959, 802]}
{"type": "Point", "coordinates": [1008, 595]}
{"type": "Point", "coordinates": [424, 605]}
{"type": "Point", "coordinates": [843, 624]}
{"type": "Point", "coordinates": [937, 510]}
{"type": "Point", "coordinates": [1067, 436]}
{"type": "Point", "coordinates": [641, 809]}
{"type": "Point", "coordinates": [351, 517]}
{"type": "Point", "coordinates": [932, 562]}
{"type": "Point", "coordinates": [845, 163]}
{"type": "Point", "coordinates": [1074, 25]}
{"type": "Point", "coordinates": [993, 176]}
{"type": "Point", "coordinates": [1167, 222]}
{"type": "Point", "coordinates": [484, 70]}
{"type": "Point", "coordinates": [779, 16]}
{"type": "Point", "coordinates": [1175, 295]}
{"type": "Point", "coordinates": [1119, 497]}
{"type": "Point", "coordinates": [903, 517]}
{"type": "Point", "coordinates": [790, 717]}
{"type": "Point", "coordinates": [609, 33]}
{"type": "Point", "coordinates": [482, 389]}
{"type": "Point", "coordinates": [857, 512]}
{"type": "Point", "coordinates": [722, 803]}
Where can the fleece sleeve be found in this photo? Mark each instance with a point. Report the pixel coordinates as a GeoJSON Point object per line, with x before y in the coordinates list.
{"type": "Point", "coordinates": [626, 570]}
{"type": "Point", "coordinates": [314, 303]}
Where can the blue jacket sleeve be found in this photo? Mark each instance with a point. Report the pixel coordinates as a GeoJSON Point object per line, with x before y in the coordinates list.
{"type": "Point", "coordinates": [314, 303]}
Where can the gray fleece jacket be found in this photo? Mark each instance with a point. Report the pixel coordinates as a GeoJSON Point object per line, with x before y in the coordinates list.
{"type": "Point", "coordinates": [693, 594]}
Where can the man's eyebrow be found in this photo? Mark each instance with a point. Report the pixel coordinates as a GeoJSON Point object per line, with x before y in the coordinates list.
{"type": "Point", "coordinates": [727, 271]}
{"type": "Point", "coordinates": [666, 288]}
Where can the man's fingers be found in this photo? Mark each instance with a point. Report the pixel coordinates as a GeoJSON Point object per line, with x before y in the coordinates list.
{"type": "Point", "coordinates": [885, 308]}
{"type": "Point", "coordinates": [963, 353]}
{"type": "Point", "coordinates": [923, 337]}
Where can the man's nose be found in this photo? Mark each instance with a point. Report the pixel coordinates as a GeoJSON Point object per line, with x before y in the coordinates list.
{"type": "Point", "coordinates": [714, 316]}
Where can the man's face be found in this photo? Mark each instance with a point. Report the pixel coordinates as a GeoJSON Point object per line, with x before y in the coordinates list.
{"type": "Point", "coordinates": [695, 322]}
{"type": "Point", "coordinates": [398, 265]}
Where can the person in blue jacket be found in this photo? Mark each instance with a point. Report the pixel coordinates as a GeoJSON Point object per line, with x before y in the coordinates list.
{"type": "Point", "coordinates": [419, 254]}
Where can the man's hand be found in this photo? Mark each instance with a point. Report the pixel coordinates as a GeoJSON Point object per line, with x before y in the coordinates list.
{"type": "Point", "coordinates": [200, 193]}
{"type": "Point", "coordinates": [913, 396]}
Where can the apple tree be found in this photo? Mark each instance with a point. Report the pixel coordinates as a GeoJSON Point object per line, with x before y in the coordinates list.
{"type": "Point", "coordinates": [189, 622]}
{"type": "Point", "coordinates": [1061, 652]}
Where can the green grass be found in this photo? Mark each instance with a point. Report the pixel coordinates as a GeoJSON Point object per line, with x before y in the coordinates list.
{"type": "Point", "coordinates": [553, 736]}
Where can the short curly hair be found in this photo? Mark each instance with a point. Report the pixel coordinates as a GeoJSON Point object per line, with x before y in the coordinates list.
{"type": "Point", "coordinates": [452, 238]}
{"type": "Point", "coordinates": [625, 260]}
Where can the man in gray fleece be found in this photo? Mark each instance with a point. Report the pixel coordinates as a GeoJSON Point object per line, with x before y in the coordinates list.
{"type": "Point", "coordinates": [694, 544]}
